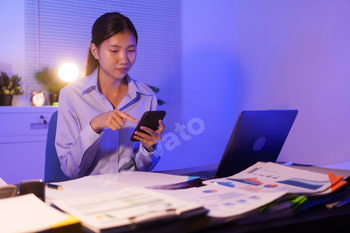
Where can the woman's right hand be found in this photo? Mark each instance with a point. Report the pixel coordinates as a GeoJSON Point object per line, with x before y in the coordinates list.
{"type": "Point", "coordinates": [114, 120]}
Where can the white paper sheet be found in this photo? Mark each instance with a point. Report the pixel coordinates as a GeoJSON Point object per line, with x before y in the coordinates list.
{"type": "Point", "coordinates": [143, 179]}
{"type": "Point", "coordinates": [223, 201]}
{"type": "Point", "coordinates": [122, 207]}
{"type": "Point", "coordinates": [84, 186]}
{"type": "Point", "coordinates": [271, 177]}
{"type": "Point", "coordinates": [27, 213]}
{"type": "Point", "coordinates": [108, 182]}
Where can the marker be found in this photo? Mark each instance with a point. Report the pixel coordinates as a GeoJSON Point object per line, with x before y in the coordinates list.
{"type": "Point", "coordinates": [53, 186]}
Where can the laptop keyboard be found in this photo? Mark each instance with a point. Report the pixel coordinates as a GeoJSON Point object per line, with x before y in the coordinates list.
{"type": "Point", "coordinates": [207, 174]}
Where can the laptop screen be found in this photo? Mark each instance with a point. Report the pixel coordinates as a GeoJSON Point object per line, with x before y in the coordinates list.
{"type": "Point", "coordinates": [257, 136]}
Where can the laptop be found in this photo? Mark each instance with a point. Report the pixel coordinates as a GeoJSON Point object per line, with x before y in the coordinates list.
{"type": "Point", "coordinates": [258, 136]}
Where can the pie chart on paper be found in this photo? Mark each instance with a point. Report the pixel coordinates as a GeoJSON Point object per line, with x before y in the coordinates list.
{"type": "Point", "coordinates": [210, 191]}
{"type": "Point", "coordinates": [271, 186]}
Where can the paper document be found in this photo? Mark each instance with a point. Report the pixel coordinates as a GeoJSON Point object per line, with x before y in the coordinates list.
{"type": "Point", "coordinates": [271, 177]}
{"type": "Point", "coordinates": [84, 186]}
{"type": "Point", "coordinates": [28, 213]}
{"type": "Point", "coordinates": [109, 182]}
{"type": "Point", "coordinates": [124, 208]}
{"type": "Point", "coordinates": [223, 201]}
{"type": "Point", "coordinates": [143, 179]}
{"type": "Point", "coordinates": [324, 170]}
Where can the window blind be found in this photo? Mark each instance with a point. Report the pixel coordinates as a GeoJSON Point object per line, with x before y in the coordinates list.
{"type": "Point", "coordinates": [59, 31]}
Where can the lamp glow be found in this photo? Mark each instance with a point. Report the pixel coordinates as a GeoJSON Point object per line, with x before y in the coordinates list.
{"type": "Point", "coordinates": [68, 72]}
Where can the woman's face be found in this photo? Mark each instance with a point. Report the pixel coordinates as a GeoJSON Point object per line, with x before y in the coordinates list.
{"type": "Point", "coordinates": [116, 55]}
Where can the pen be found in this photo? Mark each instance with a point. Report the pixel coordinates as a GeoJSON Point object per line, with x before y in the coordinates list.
{"type": "Point", "coordinates": [53, 186]}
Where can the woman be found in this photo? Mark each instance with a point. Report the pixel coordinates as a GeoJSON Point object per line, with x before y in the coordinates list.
{"type": "Point", "coordinates": [98, 113]}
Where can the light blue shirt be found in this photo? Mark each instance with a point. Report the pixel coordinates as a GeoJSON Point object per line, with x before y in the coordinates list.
{"type": "Point", "coordinates": [81, 150]}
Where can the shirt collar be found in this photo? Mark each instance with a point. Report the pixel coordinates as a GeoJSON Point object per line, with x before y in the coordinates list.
{"type": "Point", "coordinates": [90, 82]}
{"type": "Point", "coordinates": [134, 87]}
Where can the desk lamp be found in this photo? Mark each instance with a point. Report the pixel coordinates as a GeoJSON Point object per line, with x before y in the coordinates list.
{"type": "Point", "coordinates": [67, 72]}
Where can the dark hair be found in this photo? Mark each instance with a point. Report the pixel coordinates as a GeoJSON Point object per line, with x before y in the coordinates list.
{"type": "Point", "coordinates": [106, 26]}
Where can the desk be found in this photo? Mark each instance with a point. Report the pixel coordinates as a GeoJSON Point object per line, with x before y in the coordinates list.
{"type": "Point", "coordinates": [316, 219]}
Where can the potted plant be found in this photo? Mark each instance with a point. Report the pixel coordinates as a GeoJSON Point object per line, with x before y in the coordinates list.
{"type": "Point", "coordinates": [9, 86]}
{"type": "Point", "coordinates": [48, 78]}
{"type": "Point", "coordinates": [156, 90]}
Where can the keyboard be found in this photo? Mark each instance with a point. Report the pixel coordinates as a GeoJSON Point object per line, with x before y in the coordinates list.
{"type": "Point", "coordinates": [207, 174]}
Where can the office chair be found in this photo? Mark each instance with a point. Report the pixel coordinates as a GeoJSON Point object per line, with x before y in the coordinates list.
{"type": "Point", "coordinates": [53, 170]}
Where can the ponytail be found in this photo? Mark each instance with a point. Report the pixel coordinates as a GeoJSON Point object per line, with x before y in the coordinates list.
{"type": "Point", "coordinates": [91, 63]}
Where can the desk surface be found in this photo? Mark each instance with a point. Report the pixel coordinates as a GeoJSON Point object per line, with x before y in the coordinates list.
{"type": "Point", "coordinates": [315, 219]}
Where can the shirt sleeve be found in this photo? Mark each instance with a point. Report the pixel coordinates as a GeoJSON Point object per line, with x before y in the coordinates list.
{"type": "Point", "coordinates": [75, 145]}
{"type": "Point", "coordinates": [144, 160]}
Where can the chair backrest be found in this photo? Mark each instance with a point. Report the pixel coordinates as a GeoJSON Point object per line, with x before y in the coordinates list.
{"type": "Point", "coordinates": [53, 170]}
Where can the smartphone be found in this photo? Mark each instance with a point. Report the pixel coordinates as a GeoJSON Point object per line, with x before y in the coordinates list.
{"type": "Point", "coordinates": [150, 119]}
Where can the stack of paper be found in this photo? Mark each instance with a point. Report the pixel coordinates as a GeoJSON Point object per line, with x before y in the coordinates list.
{"type": "Point", "coordinates": [28, 213]}
{"type": "Point", "coordinates": [125, 201]}
{"type": "Point", "coordinates": [271, 177]}
{"type": "Point", "coordinates": [302, 187]}
{"type": "Point", "coordinates": [267, 189]}
{"type": "Point", "coordinates": [127, 208]}
{"type": "Point", "coordinates": [90, 185]}
{"type": "Point", "coordinates": [223, 201]}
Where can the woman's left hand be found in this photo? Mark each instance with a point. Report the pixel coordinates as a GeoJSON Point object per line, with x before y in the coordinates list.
{"type": "Point", "coordinates": [153, 137]}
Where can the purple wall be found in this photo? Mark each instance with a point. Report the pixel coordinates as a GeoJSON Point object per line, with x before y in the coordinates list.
{"type": "Point", "coordinates": [296, 54]}
{"type": "Point", "coordinates": [251, 55]}
{"type": "Point", "coordinates": [209, 84]}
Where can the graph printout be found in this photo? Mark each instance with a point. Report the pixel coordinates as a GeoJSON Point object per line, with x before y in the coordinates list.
{"type": "Point", "coordinates": [122, 207]}
{"type": "Point", "coordinates": [271, 177]}
{"type": "Point", "coordinates": [224, 201]}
